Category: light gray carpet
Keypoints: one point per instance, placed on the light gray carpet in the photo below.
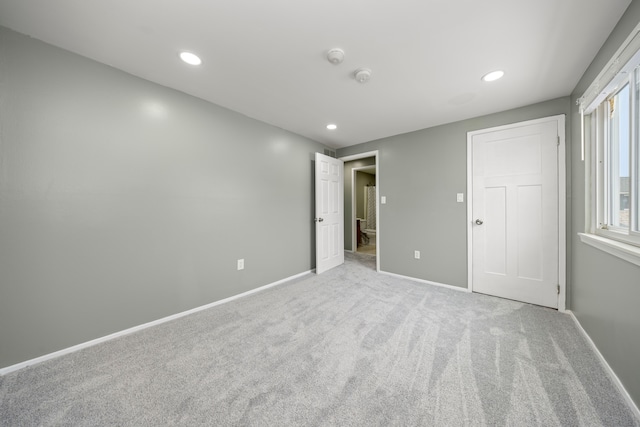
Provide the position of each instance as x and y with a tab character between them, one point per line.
348	348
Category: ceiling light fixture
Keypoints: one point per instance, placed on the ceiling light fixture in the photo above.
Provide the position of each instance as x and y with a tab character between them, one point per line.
332	126
335	56
190	58
493	76
362	75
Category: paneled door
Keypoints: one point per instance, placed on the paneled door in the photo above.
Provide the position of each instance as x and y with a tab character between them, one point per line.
329	217
514	223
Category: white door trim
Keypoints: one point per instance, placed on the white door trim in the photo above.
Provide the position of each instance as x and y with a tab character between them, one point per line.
373	154
562	212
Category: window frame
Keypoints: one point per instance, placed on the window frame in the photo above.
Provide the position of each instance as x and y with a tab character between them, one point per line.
603	223
611	200
617	70
623	242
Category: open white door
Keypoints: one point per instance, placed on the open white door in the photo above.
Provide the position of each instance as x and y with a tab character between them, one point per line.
515	210
329	213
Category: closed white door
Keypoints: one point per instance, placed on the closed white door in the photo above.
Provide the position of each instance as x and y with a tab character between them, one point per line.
329	213
515	213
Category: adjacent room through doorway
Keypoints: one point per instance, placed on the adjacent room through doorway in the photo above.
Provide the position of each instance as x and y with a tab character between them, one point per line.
364	194
361	205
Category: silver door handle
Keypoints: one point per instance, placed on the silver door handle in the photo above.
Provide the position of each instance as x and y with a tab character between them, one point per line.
479	222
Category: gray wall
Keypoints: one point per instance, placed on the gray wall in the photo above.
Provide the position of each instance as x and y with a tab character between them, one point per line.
122	201
420	174
348	170
605	290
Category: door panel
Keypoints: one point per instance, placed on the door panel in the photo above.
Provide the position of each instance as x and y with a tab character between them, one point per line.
529	230
329	212
515	198
495	231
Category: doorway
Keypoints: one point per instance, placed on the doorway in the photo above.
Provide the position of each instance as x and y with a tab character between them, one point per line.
366	240
516	212
364	214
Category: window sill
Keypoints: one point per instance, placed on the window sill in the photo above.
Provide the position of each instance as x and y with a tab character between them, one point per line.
621	250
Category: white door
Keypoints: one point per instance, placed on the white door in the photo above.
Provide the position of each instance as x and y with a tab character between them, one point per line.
329	213
515	241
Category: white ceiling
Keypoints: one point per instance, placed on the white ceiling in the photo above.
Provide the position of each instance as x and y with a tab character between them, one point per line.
266	59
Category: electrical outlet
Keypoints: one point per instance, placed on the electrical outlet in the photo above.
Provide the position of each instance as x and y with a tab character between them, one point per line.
416	254
241	264
383	200
460	197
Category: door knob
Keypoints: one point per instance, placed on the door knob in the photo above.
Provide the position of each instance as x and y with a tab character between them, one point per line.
319	219
479	221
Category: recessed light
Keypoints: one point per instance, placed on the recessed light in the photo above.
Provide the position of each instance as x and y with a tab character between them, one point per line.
332	126
190	58
492	76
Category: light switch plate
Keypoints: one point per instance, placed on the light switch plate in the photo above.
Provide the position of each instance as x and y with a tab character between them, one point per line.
460	198
383	199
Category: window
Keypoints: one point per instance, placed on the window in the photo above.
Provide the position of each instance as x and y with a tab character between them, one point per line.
615	124
610	110
617	148
613	165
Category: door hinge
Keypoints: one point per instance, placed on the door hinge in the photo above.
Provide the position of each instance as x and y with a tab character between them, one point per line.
558	289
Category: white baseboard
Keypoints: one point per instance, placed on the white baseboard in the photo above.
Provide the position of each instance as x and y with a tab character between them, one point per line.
607	368
428	282
17	366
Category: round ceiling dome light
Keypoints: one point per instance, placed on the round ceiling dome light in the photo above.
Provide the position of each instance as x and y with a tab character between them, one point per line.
362	75
190	58
493	76
335	56
332	126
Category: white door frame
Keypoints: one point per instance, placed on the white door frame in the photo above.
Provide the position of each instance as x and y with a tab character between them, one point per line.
345	159
562	211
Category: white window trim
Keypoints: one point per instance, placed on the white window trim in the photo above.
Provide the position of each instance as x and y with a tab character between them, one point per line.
618	249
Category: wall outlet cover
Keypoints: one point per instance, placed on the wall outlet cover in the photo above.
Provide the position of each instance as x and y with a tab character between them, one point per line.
416	254
460	197
241	264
